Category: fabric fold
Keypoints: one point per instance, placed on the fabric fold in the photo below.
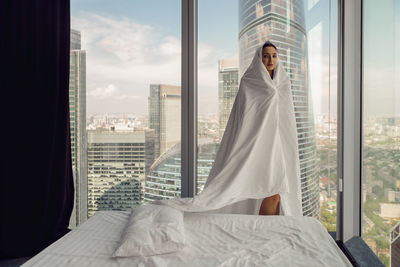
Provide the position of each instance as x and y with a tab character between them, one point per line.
258	155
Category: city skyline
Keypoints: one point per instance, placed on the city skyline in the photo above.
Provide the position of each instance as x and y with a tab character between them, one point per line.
129	51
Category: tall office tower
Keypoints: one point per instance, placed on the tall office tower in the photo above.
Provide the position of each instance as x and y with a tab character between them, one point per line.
77	107
116	169
164	178
282	22
75	43
228	86
149	149
165	116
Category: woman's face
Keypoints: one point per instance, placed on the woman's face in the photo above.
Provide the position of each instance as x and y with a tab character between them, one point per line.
269	57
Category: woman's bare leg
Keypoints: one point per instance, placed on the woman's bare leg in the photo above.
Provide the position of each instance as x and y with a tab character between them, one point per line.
270	205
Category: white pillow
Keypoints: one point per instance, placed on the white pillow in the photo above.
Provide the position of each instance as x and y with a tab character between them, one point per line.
152	230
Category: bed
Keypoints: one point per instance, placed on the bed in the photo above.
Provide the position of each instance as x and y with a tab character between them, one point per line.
212	240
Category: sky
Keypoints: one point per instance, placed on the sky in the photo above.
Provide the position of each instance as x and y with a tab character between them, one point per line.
131	44
381	57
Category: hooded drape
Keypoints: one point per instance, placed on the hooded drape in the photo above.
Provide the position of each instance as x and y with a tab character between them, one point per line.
258	155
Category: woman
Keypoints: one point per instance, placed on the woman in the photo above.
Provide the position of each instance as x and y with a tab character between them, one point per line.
256	169
270	205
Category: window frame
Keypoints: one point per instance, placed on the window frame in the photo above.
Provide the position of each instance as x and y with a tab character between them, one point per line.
349	92
350	106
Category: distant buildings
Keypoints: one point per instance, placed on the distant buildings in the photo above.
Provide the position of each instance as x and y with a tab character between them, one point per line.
77	107
391	195
228	86
388	210
116	169
165	116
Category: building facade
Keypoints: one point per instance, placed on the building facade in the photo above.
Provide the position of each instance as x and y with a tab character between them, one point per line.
77	107
164	178
165	116
228	86
283	23
116	169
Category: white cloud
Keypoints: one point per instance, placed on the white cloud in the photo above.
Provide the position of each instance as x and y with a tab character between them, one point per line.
124	57
102	93
110	92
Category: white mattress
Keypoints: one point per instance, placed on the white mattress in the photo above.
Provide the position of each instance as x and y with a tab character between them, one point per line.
213	240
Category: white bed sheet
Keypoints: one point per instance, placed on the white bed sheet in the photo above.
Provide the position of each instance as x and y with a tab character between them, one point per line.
213	240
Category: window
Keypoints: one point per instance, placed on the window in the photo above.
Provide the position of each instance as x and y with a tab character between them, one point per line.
306	36
381	129
126	97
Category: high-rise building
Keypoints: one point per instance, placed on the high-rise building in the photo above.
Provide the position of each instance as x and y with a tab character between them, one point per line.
116	169
164	116
75	43
282	22
77	107
164	178
228	86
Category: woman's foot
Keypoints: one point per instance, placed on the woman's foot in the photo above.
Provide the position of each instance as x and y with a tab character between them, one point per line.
270	205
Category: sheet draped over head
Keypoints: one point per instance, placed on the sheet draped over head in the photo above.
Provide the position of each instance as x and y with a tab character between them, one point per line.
258	155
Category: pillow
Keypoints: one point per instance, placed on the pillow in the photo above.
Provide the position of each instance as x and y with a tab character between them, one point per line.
152	230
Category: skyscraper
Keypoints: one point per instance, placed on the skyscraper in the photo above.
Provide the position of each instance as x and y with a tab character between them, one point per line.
282	22
116	169
164	178
228	85
77	107
164	116
75	43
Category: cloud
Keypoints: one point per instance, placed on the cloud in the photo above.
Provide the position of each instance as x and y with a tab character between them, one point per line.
110	92
102	93
124	57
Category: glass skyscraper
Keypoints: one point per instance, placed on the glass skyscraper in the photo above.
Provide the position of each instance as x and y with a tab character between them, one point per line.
164	116
164	178
282	22
77	106
228	87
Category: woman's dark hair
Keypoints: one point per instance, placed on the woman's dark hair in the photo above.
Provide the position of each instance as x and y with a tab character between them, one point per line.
268	43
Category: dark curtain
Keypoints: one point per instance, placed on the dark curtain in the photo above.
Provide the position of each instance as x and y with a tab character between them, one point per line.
37	190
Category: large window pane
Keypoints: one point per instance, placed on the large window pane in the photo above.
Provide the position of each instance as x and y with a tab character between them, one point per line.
125	102
381	129
305	33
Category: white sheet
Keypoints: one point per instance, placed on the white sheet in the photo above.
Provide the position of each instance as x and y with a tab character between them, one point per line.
213	240
258	156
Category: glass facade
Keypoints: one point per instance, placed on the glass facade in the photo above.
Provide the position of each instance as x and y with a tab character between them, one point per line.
164	108
164	179
228	86
116	169
77	106
381	129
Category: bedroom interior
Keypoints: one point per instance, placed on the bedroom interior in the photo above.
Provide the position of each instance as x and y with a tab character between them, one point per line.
115	113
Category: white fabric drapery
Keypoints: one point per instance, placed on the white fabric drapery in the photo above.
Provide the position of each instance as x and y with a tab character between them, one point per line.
258	155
